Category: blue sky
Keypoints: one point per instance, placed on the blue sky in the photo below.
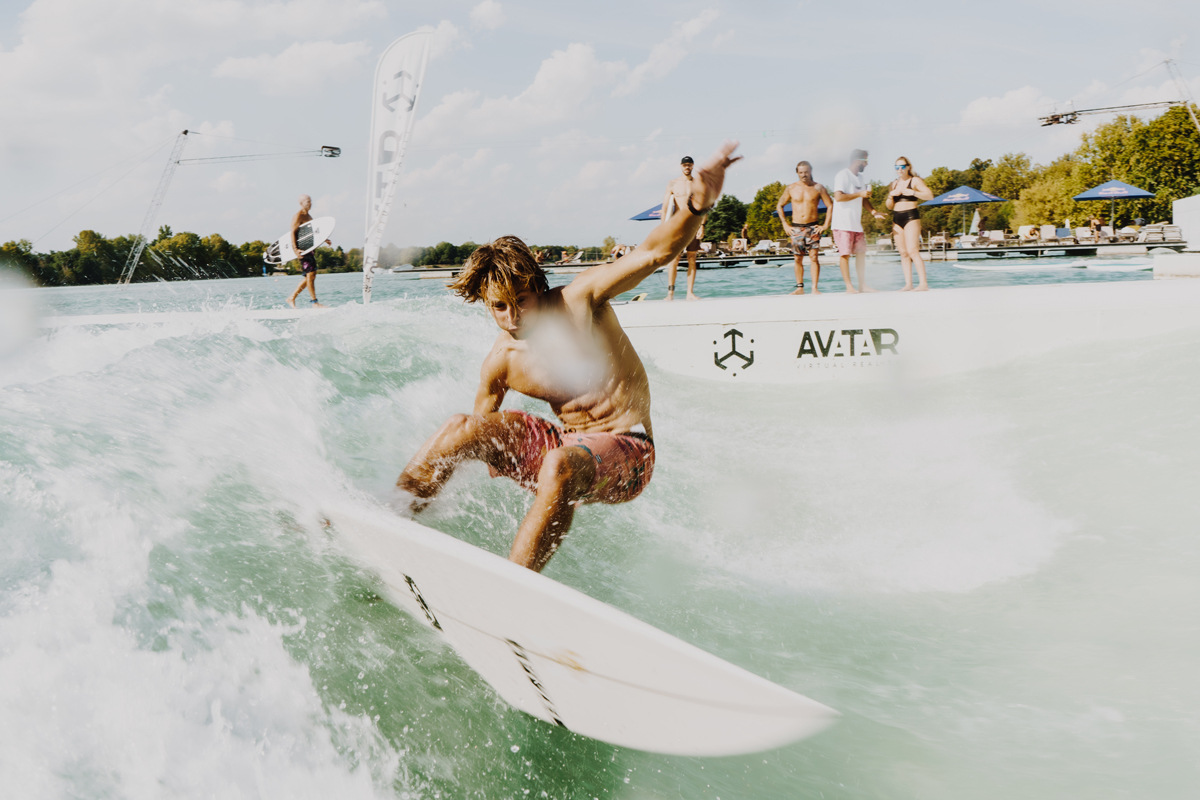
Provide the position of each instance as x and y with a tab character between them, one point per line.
554	121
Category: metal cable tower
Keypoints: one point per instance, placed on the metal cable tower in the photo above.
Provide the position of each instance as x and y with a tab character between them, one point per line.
1184	93
152	213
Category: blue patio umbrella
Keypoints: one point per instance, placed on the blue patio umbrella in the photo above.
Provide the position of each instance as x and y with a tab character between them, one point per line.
1112	191
964	196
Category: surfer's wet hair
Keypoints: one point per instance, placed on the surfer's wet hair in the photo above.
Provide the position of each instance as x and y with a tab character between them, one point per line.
504	267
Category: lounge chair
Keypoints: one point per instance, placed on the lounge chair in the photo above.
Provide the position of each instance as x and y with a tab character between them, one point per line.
996	237
764	246
1084	236
1151	234
1173	233
1049	233
884	243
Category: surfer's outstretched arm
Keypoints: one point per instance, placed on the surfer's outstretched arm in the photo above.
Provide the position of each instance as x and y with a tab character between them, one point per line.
605	281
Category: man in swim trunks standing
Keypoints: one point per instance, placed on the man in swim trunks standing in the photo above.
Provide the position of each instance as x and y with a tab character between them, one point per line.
851	192
804	230
564	346
674	200
308	262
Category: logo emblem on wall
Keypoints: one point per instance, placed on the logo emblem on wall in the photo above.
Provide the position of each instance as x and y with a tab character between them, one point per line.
746	360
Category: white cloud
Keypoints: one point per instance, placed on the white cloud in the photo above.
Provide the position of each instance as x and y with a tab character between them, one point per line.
487	14
297	69
666	55
445	38
231	182
126	69
563	84
1018	105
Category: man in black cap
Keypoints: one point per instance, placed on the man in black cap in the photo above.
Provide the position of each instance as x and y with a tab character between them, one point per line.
674	200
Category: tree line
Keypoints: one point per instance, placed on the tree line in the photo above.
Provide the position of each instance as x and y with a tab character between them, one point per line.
1161	155
170	257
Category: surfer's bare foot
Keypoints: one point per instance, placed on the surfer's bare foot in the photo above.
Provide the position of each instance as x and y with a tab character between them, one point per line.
814	291
907	288
692	296
315	304
800	291
291	301
851	290
922	288
868	289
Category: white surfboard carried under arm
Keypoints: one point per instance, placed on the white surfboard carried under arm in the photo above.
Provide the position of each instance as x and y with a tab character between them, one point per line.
570	659
309	236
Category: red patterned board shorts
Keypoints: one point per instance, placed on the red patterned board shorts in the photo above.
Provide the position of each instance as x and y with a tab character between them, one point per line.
624	461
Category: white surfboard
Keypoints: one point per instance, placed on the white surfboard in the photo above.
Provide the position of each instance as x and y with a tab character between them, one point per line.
570	659
309	236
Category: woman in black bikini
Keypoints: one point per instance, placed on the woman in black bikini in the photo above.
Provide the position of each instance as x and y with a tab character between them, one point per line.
905	192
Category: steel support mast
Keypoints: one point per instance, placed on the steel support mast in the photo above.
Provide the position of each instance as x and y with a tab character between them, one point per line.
1184	93
143	239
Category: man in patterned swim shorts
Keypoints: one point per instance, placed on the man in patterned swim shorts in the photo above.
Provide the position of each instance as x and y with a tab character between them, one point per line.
804	230
564	346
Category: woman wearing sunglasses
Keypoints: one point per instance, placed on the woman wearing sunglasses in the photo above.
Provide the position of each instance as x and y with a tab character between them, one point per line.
903	195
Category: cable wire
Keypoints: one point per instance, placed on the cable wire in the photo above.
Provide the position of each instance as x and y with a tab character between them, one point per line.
102	191
156	147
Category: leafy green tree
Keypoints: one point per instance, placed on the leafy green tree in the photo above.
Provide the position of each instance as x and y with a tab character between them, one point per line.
872	227
1047	200
252	256
607	247
464	251
761	219
19	255
182	256
1164	159
441	254
726	219
1008	176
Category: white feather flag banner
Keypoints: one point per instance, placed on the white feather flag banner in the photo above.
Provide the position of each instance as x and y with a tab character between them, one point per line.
398	79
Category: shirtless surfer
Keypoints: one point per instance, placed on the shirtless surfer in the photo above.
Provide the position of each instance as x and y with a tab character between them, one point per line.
804	230
308	262
674	199
564	346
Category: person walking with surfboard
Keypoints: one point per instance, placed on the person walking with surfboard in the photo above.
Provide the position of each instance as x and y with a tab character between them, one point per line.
564	346
308	262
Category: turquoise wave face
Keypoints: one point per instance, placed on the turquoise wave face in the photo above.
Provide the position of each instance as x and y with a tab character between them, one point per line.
990	576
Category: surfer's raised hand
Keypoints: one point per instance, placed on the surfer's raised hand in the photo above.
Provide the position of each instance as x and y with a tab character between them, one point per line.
710	176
